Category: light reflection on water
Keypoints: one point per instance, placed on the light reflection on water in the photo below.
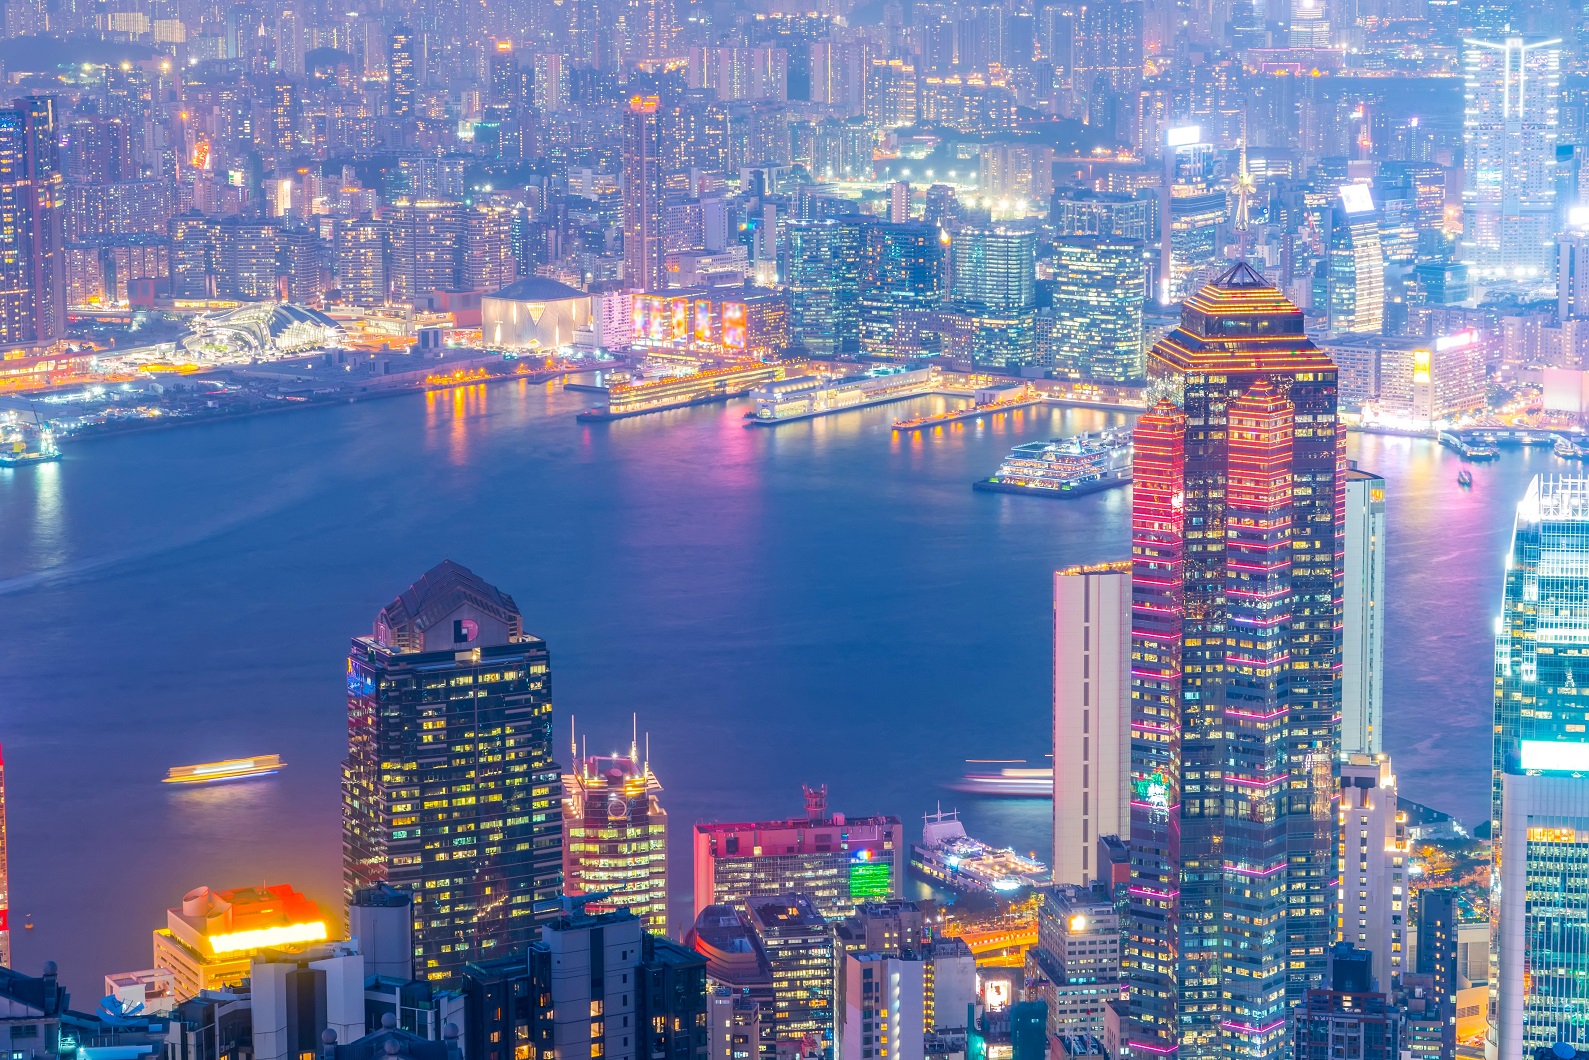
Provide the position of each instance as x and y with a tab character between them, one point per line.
825	601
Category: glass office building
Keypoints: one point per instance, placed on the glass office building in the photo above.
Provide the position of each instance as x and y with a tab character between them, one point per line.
449	789
1540	880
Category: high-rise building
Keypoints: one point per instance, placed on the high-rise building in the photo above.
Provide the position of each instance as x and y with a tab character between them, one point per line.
5	877
1356	266
644	267
1363	615
449	789
401	71
1439	922
359	251
880	1006
902	267
649	29
1077	958
488	262
32	201
1509	135
1351	1018
615	840
1098	297
1375	876
1235	609
803	957
899	202
993	282
1092	715
836	861
591	984
823	273
1190	214
424	239
1540	820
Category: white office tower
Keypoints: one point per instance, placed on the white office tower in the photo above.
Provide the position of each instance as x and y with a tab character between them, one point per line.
1371	905
883	1014
1363	617
1509	156
1092	715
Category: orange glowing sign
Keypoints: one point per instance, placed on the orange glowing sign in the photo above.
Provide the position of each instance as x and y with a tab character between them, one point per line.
201	155
734	315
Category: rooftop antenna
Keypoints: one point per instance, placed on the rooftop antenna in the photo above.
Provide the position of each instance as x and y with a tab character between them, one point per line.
1246	187
573	743
648	755
634	736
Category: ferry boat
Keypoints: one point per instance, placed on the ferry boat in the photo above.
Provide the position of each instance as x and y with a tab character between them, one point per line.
1065	467
230	769
951	857
1464	478
1008	782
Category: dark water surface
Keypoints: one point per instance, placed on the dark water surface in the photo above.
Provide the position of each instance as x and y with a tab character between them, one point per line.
817	602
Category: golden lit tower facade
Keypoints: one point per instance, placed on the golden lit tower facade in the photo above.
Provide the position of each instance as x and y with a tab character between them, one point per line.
615	835
1236	529
449	789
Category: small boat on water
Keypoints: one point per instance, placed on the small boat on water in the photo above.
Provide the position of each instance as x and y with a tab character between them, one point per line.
1009	782
1465	478
229	769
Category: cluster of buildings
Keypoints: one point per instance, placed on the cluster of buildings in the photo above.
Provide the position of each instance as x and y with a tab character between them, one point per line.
1017	188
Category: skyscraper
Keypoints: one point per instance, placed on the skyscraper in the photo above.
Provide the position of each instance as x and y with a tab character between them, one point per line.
1356	265
615	835
1236	604
993	281
1375	877
1509	155
1363	615
1190	214
824	276
643	266
1540	820
401	72
424	242
1098	297
449	789
902	267
1092	712
32	196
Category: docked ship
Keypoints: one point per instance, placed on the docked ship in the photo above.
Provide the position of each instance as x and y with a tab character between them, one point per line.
229	769
1065	467
21	446
946	854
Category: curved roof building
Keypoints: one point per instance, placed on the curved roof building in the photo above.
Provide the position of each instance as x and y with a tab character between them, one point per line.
533	313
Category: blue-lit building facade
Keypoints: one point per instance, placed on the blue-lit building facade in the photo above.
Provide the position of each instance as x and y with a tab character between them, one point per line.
902	269
1096	323
1540	879
823	272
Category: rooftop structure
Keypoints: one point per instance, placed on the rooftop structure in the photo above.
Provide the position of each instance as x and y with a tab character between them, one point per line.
209	939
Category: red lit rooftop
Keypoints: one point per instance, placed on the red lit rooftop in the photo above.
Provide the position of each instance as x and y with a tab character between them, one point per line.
1240	323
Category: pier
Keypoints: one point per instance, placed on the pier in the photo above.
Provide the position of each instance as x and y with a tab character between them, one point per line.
986	401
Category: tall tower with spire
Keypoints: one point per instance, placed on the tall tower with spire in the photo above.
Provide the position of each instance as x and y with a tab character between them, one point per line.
615	832
1236	610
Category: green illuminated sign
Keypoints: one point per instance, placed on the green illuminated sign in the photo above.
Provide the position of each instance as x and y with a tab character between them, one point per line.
870	879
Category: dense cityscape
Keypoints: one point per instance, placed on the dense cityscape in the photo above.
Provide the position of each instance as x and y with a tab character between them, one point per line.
1211	295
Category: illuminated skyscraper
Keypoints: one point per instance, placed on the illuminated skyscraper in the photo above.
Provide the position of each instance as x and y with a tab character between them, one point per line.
1357	265
1540	818
643	266
615	839
424	242
449	789
32	197
993	280
1375	891
902	267
824	277
1236	608
1509	155
401	72
1098	297
649	30
1191	214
